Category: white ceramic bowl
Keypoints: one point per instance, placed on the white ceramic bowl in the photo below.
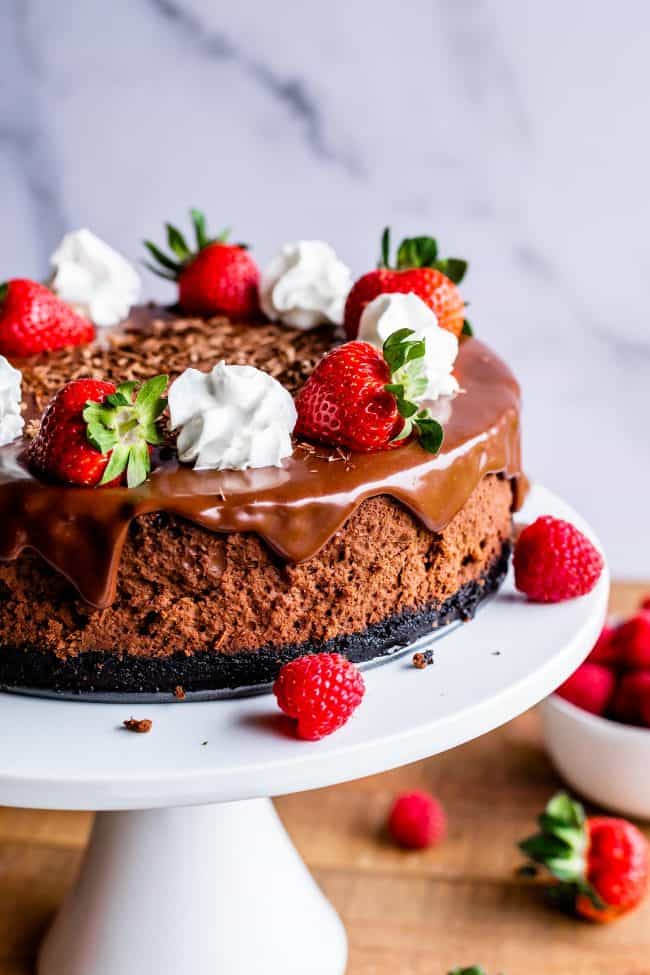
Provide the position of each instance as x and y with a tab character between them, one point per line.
603	760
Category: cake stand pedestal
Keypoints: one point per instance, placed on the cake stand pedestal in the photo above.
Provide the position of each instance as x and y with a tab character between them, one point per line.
189	867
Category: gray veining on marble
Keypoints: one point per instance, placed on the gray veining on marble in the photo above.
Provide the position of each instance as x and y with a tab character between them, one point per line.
515	131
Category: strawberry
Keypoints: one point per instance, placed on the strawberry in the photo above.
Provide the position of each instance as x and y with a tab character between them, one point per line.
362	399
591	688
553	561
631	703
417	821
93	433
631	642
420	271
601	863
33	319
216	278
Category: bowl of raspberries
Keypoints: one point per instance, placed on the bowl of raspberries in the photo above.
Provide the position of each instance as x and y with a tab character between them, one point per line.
597	724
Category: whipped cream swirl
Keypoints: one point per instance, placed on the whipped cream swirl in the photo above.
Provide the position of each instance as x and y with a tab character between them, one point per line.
231	418
11	421
94	278
305	285
389	312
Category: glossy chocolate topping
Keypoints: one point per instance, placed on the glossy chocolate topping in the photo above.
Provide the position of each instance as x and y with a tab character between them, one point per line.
296	508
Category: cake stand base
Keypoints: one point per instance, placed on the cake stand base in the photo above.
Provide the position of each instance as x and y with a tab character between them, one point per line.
219	889
203	889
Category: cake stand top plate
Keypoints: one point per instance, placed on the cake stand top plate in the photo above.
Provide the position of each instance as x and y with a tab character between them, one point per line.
75	755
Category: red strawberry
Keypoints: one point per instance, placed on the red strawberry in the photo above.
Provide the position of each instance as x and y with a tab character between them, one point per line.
417	821
631	703
419	270
554	561
33	319
604	652
591	688
601	863
215	278
321	691
358	398
631	642
93	433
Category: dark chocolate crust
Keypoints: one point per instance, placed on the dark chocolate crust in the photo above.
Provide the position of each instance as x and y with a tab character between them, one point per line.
99	672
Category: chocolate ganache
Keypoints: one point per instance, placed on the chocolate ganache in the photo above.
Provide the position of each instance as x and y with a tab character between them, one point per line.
297	508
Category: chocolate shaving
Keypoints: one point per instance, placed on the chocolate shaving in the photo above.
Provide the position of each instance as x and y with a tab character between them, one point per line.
151	342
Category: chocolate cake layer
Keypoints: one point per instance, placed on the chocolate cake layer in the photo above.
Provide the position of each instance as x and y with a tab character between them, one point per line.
97	672
205	609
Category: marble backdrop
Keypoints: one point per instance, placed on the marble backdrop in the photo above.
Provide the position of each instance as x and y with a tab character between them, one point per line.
517	131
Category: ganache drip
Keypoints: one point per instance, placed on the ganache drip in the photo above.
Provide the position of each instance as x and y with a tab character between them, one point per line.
296	509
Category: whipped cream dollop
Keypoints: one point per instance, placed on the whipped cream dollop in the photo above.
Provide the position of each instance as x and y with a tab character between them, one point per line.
94	278
231	418
11	421
305	285
389	312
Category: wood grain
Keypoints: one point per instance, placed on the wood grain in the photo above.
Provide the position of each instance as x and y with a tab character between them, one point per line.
406	913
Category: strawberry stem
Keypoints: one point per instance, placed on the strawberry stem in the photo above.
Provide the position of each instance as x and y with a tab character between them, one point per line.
561	845
124	425
170	267
405	359
421	251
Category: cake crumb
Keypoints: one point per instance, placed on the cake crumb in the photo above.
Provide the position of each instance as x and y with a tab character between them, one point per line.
179	693
140	725
32	429
423	660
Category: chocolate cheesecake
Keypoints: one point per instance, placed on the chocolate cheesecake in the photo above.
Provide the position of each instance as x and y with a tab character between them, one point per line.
213	579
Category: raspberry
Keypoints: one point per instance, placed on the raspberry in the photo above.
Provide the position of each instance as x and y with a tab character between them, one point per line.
631	642
417	820
554	561
604	651
631	703
591	688
321	691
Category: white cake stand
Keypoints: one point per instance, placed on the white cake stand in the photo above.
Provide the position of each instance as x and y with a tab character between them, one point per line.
181	873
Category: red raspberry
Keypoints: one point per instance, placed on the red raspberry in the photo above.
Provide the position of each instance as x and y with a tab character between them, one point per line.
631	642
631	703
604	651
417	820
321	691
591	688
554	561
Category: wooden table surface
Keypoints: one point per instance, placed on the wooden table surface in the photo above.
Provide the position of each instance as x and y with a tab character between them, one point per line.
405	913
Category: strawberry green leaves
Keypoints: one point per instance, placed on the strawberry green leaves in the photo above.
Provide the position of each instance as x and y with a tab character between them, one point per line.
125	424
562	845
170	266
422	252
467	328
405	358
